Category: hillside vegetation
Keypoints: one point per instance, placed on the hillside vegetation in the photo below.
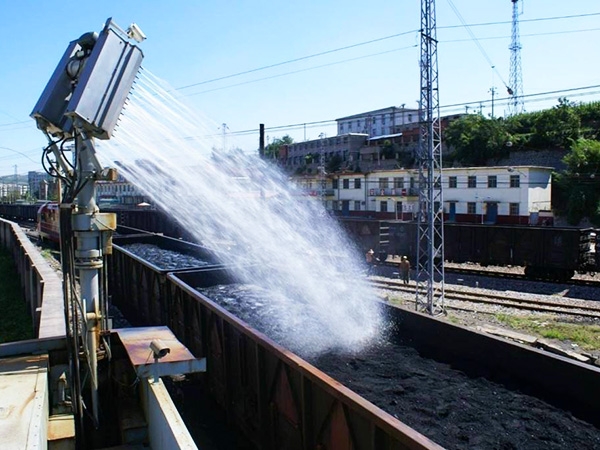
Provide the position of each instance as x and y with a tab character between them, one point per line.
575	128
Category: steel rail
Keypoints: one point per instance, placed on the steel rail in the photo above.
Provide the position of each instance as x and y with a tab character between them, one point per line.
500	300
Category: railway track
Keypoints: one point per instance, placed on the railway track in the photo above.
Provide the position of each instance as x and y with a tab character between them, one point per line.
509	275
574	308
518	276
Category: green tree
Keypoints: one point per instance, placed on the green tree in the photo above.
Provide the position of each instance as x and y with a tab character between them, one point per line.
579	185
557	127
589	114
334	164
272	150
388	150
475	139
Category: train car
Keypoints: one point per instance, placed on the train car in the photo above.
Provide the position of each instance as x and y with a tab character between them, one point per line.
48	222
551	253
279	400
24	212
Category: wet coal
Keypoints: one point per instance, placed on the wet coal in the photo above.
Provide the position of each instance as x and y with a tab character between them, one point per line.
165	259
453	409
258	307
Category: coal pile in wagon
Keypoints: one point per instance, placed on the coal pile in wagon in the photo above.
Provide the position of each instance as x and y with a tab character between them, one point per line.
165	259
451	408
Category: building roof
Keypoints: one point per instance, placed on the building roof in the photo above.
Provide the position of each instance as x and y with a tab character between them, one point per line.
515	169
378	111
385	136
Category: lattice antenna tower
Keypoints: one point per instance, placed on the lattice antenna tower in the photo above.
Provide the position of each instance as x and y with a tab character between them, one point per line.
430	248
515	89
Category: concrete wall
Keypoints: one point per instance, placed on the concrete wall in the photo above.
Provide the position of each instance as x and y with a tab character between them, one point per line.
166	429
42	287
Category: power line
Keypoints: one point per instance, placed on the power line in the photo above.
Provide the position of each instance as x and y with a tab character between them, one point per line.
302	70
372	55
506	22
561	91
549	33
450	106
481	49
297	59
14	123
314	55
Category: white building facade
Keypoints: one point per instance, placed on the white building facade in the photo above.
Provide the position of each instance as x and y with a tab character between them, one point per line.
508	195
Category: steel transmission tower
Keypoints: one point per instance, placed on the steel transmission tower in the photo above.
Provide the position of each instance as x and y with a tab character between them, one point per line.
515	89
430	248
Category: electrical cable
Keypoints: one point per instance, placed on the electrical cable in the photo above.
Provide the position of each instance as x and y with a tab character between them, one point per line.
481	49
297	59
550	33
245	72
301	70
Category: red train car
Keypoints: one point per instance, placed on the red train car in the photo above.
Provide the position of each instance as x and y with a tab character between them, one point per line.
48	223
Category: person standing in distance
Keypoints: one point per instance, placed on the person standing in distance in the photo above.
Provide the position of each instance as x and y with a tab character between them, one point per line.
404	269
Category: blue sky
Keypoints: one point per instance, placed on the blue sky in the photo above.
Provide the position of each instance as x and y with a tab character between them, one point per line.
193	42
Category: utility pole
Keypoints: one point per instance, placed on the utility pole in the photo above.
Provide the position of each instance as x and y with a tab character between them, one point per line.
515	90
430	248
16	190
224	129
493	92
261	140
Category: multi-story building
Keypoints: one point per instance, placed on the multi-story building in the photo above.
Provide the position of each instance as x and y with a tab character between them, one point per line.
117	193
376	140
307	157
509	195
39	183
380	122
11	192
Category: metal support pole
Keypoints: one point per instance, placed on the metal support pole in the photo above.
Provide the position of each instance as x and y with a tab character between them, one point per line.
88	259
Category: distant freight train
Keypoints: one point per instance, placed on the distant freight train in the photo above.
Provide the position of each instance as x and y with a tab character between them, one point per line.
551	253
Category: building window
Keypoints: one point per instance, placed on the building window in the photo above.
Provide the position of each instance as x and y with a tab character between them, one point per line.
334	205
492	181
356	205
471	208
452	182
335	184
383	183
399	207
399	183
412	182
472	182
357	183
383	206
346	183
514	209
515	181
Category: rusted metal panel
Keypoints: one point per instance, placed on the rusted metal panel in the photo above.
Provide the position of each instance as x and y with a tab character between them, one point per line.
178	360
294	405
275	397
